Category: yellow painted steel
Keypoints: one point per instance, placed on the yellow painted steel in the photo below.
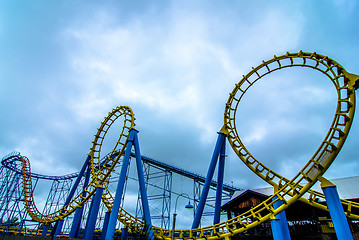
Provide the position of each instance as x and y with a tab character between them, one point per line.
288	191
100	171
299	186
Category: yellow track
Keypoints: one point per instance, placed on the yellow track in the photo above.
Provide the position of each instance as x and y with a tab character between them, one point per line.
100	172
288	191
291	190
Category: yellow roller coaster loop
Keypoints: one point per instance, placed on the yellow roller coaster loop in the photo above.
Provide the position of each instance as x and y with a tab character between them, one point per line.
100	171
288	191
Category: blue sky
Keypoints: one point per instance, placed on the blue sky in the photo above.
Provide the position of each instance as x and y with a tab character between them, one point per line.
65	64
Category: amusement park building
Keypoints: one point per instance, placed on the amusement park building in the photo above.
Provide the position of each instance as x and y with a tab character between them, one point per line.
305	221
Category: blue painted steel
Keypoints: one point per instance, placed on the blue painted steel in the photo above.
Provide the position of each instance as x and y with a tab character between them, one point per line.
76	222
78	179
217	209
90	226
141	181
88	222
105	225
156	194
280	229
60	223
58	228
11	200
337	214
124	233
8	160
207	184
185	173
20	229
120	185
54	229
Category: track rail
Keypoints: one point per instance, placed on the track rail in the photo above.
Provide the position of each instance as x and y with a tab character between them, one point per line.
100	170
9	161
188	174
291	190
288	191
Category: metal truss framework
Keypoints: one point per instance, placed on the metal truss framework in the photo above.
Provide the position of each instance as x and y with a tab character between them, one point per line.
158	176
287	191
159	188
207	215
13	215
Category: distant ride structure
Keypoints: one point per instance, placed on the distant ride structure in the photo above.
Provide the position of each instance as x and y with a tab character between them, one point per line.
91	183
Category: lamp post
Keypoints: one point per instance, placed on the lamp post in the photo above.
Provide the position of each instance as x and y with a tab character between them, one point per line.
189	205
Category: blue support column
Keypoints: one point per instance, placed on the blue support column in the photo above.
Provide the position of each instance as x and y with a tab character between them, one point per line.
144	198
20	228
279	225
120	186
105	225
53	231
124	233
336	210
87	220
45	228
197	218
90	226
217	209
58	226
76	222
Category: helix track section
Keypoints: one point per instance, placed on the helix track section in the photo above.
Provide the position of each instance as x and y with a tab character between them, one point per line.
13	162
287	191
8	162
100	171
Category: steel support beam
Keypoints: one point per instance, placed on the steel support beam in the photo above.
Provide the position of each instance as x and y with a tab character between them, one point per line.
279	225
197	218
105	225
91	221
144	198
336	210
120	185
124	233
217	209
58	226
45	228
76	222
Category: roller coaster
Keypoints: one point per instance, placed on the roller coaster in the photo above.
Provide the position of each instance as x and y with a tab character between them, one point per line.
91	201
159	181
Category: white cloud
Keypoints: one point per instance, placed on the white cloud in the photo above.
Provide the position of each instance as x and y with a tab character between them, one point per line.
42	161
174	65
257	133
174	68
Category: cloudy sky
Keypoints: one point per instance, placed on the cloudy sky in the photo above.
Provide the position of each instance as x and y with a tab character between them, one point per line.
65	64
